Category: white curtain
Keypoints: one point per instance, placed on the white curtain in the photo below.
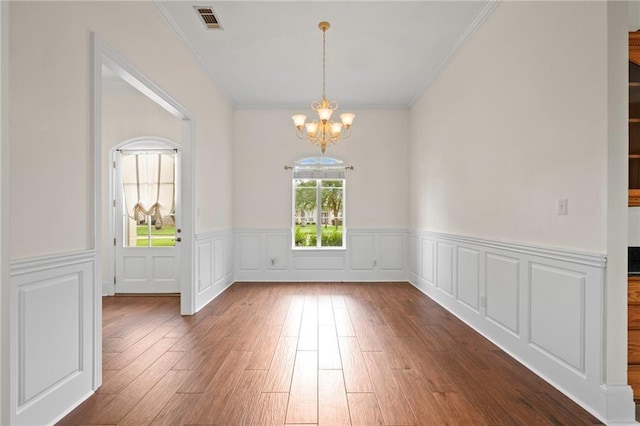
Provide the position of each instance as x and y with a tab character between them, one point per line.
149	186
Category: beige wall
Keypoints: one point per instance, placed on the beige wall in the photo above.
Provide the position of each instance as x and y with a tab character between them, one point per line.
49	93
634	15
517	121
130	115
376	191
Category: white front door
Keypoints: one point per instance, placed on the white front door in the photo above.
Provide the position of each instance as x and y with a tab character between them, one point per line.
147	221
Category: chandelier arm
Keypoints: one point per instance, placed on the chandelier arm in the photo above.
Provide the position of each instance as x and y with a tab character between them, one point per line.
334	139
300	134
346	134
314	139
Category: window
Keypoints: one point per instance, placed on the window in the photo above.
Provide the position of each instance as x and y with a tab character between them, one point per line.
318	203
148	184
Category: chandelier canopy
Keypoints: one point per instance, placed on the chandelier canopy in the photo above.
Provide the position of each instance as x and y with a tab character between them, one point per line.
323	131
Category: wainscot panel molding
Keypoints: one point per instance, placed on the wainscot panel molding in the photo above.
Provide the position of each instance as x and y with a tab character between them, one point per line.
502	291
544	306
51	335
370	255
214	265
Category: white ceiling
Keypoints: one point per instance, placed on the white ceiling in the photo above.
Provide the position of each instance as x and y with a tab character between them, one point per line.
379	54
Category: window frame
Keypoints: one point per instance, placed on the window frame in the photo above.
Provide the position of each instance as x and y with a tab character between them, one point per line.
146	149
321	164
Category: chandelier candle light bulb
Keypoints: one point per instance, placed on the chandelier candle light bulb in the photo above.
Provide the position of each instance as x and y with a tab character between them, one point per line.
324	132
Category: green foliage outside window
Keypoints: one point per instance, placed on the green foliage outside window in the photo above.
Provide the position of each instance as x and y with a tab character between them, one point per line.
333	239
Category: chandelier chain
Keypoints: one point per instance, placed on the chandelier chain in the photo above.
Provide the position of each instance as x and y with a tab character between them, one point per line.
324	62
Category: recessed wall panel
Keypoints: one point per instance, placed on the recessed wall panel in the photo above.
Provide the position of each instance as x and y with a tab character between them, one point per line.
362	252
278	247
413	255
50	333
469	277
503	288
249	247
558	313
391	252
218	260
204	266
319	263
228	255
428	260
445	267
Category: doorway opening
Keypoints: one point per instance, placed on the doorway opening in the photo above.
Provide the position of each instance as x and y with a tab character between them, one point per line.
107	60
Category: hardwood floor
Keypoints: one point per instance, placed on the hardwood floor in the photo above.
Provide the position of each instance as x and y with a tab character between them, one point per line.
327	353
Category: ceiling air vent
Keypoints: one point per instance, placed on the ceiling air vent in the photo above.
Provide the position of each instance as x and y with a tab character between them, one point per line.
208	18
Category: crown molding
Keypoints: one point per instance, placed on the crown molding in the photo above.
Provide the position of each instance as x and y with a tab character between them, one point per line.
460	43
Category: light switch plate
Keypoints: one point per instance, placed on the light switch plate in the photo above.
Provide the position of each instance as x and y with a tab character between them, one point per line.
563	206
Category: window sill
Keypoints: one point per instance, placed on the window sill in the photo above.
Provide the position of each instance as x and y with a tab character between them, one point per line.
317	249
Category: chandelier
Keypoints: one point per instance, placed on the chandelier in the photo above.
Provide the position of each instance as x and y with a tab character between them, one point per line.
324	132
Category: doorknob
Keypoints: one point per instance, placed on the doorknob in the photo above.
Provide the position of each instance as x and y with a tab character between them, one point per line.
178	239
179	230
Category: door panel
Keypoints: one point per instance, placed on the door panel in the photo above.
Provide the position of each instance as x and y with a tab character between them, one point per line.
147	270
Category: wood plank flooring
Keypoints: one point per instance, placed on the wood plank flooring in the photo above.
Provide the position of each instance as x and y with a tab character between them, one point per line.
326	353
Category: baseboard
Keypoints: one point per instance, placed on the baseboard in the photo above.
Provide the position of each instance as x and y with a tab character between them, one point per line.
618	405
72	407
108	289
225	285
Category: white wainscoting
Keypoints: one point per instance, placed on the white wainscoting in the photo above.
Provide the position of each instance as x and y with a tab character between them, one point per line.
371	255
543	306
214	265
52	335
